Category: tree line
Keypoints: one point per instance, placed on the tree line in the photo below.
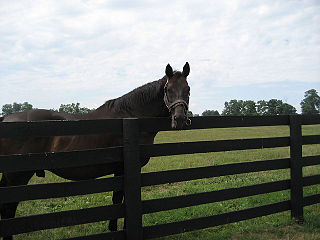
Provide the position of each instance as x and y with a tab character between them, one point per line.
20	107
309	105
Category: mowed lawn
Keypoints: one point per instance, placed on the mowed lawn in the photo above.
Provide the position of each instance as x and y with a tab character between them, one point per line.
277	226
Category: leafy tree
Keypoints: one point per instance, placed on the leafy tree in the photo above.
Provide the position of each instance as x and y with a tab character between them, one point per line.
311	102
249	108
73	108
262	108
277	107
15	107
287	109
7	109
274	106
210	113
233	108
239	108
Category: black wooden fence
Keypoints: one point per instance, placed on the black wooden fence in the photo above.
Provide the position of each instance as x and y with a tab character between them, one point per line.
133	207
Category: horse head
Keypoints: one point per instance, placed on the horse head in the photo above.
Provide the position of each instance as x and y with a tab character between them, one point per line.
176	96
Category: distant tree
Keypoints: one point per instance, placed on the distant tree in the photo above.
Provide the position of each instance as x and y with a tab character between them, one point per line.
287	109
274	106
249	108
277	107
15	107
189	113
26	106
210	113
240	108
73	108
262	108
311	102
196	115
7	109
233	108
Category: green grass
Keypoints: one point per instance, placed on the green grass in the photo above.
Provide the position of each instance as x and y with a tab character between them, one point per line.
277	226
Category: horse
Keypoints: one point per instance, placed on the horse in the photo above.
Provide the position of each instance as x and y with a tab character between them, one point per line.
166	97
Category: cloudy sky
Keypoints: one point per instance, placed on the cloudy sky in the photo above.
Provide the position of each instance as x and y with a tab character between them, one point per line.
54	52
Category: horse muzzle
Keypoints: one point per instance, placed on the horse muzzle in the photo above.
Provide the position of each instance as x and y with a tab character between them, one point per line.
179	117
177	122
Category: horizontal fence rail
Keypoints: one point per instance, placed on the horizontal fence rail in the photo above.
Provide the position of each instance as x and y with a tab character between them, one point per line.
155	124
312	139
59	128
55	160
166	149
311	180
310	160
310	119
171	176
60	219
83	127
165	204
312	199
162	124
166	229
127	157
56	190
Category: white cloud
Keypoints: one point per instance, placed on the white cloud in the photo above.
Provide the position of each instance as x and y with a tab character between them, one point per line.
54	52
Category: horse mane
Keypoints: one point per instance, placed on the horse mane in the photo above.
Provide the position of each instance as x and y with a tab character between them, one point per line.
142	95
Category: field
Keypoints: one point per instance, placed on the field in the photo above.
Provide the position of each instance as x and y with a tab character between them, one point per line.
278	226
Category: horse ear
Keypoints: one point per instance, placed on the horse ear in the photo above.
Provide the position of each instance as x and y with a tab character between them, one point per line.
186	69
169	71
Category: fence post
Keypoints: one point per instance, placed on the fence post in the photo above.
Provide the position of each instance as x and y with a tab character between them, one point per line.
296	168
132	179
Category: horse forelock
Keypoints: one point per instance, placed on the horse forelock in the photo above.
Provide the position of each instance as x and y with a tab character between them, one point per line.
177	73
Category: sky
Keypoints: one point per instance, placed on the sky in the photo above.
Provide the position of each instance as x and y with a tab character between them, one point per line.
59	52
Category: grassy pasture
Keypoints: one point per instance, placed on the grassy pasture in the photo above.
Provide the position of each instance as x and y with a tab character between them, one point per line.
278	226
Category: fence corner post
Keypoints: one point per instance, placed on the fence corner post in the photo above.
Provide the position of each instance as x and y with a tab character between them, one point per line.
296	188
132	179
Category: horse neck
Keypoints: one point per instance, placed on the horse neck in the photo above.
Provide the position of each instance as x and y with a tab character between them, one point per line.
134	105
152	107
155	108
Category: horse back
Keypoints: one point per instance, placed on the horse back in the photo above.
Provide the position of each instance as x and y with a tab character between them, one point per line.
23	145
36	115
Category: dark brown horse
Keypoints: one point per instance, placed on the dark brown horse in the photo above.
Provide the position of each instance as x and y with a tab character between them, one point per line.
166	97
